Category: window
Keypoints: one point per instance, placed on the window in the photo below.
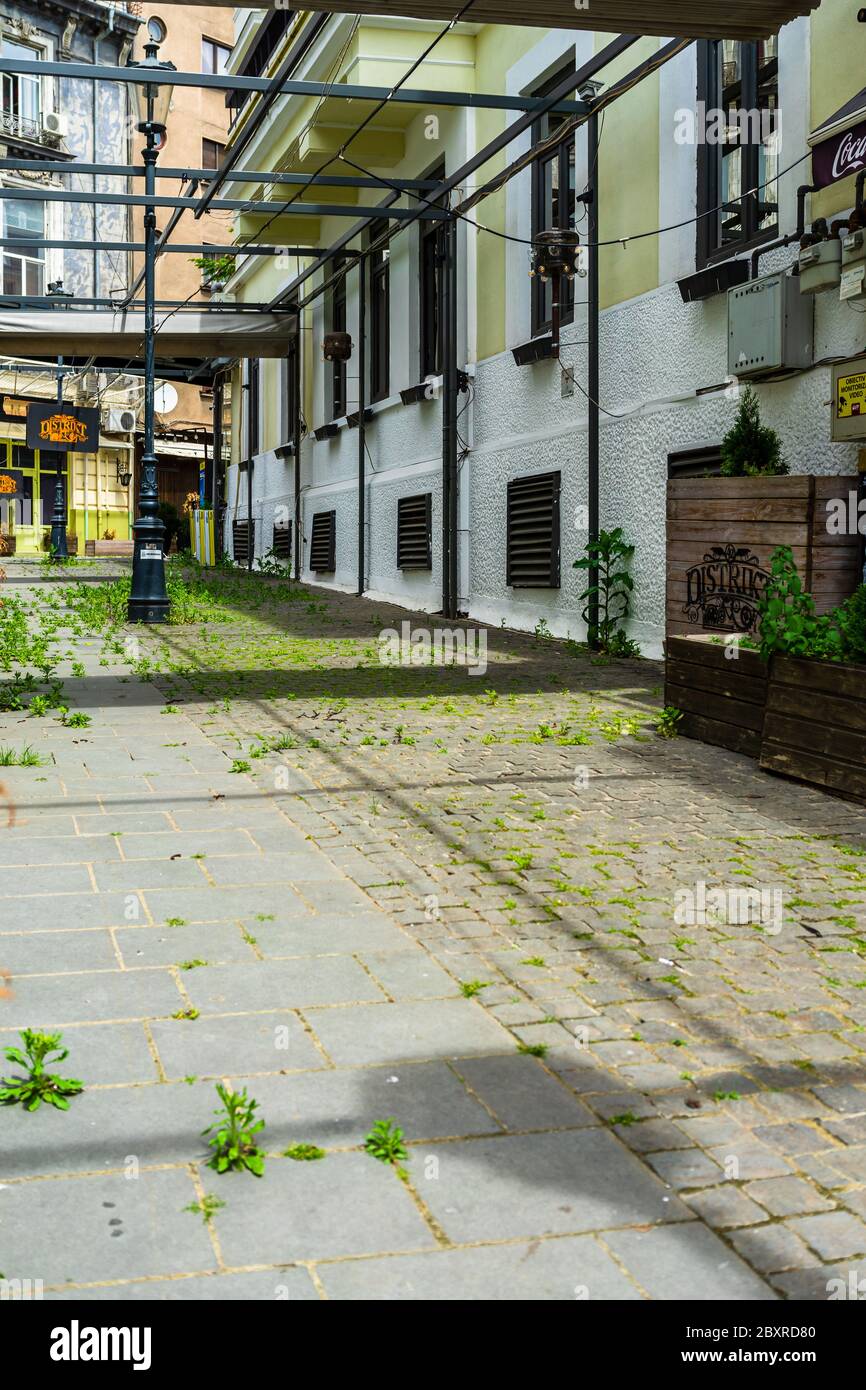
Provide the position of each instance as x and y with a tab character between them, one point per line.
21	95
532	539
214	56
738	84
252	412
338	325
432	288
211	154
293	391
156	30
414	532
24	268
380	315
553	205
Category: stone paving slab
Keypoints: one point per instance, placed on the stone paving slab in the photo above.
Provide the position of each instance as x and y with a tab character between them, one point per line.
687	1117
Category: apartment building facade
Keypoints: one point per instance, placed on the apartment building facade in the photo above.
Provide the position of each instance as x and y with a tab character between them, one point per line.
671	202
57	120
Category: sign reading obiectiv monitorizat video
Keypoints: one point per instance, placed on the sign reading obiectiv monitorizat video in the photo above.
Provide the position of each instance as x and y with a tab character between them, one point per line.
62	427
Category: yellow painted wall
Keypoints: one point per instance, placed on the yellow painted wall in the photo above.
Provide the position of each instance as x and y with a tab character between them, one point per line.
838	72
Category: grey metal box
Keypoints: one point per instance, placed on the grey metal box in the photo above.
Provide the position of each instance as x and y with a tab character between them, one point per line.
769	326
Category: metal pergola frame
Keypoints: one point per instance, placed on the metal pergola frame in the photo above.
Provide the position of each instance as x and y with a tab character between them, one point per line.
560	99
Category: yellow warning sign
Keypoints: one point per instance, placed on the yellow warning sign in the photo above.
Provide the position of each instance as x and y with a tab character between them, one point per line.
851	395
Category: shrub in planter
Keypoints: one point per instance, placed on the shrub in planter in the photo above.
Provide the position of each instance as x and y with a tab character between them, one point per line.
750	449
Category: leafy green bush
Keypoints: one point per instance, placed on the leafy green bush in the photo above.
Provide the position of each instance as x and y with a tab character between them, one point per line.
788	622
750	449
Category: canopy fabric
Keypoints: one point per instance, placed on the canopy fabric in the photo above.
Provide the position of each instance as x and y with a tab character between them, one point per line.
839	143
186	335
730	19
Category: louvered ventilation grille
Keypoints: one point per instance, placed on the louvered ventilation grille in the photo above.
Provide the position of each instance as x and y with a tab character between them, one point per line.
322	544
282	541
533	532
413	533
241	541
696	463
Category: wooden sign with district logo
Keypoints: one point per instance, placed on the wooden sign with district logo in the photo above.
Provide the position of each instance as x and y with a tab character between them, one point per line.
62	427
721	534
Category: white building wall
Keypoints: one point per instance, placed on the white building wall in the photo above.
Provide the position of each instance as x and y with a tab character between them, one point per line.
656	355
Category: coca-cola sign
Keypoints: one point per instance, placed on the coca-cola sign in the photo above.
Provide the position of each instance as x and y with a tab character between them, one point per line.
840	157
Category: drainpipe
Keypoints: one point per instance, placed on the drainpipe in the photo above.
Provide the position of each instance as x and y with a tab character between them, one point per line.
296	426
362	403
593	330
449	419
760	251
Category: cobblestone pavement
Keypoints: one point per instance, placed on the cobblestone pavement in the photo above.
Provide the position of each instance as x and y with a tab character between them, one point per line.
485	906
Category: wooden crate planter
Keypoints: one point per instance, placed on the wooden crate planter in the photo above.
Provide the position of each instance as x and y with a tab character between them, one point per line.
722	698
721	534
117	548
815	724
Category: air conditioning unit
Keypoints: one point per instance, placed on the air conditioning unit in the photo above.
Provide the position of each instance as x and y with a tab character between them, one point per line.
54	123
119	421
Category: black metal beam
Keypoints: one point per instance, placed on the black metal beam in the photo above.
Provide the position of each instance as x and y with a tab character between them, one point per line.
242	205
202	249
412	96
132	171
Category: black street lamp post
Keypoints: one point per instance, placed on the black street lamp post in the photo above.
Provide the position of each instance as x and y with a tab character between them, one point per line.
59	548
148	601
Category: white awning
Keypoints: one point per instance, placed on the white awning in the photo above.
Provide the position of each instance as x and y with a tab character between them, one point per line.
185	336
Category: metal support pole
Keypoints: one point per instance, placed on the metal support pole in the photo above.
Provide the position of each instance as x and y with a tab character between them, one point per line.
297	361
148	601
362	429
593	373
449	419
251	533
59	549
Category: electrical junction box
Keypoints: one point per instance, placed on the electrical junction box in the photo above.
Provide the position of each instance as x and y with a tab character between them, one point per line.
820	266
769	327
853	282
849	401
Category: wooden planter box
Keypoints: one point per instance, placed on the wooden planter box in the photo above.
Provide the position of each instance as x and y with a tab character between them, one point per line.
96	548
721	534
722	697
815	724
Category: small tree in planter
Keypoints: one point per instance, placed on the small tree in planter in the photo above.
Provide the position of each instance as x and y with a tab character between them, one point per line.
750	449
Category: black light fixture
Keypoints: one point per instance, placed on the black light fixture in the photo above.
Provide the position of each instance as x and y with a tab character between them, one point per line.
124	477
556	256
148	601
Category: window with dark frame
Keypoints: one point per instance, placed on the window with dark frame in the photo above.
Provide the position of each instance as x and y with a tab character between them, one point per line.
532	549
252	411
380	314
738	84
211	154
214	55
339	404
293	388
553	203
432	286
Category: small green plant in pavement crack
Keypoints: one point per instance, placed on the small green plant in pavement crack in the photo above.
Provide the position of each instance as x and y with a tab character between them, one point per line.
39	1085
233	1134
304	1153
207	1207
385	1142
